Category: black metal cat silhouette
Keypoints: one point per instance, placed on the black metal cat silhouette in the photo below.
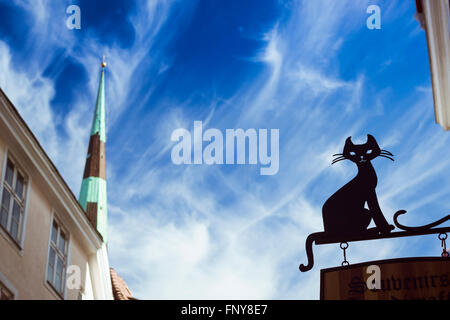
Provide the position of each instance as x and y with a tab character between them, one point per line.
345	215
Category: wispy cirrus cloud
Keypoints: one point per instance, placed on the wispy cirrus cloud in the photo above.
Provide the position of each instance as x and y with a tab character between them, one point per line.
224	231
33	89
267	220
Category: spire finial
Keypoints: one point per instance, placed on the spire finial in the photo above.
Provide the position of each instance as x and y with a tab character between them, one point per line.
103	62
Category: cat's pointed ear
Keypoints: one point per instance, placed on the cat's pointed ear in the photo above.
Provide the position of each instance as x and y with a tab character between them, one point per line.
348	141
348	145
371	140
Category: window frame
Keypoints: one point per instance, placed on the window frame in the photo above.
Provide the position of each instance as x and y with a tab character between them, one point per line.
58	254
8	286
23	203
4	291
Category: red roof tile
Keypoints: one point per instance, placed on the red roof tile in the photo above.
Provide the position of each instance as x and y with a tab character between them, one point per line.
119	287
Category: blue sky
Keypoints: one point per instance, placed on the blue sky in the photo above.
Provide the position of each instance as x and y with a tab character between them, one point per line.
311	69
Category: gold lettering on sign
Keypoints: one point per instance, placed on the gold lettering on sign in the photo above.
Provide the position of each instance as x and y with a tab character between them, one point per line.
400	279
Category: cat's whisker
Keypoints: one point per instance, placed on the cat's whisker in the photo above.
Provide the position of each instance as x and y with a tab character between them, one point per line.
386	152
338	154
340	158
385	156
337	160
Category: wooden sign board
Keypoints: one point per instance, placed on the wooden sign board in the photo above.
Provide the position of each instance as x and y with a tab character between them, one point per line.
400	279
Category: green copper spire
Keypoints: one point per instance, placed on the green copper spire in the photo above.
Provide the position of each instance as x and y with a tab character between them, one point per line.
98	124
93	197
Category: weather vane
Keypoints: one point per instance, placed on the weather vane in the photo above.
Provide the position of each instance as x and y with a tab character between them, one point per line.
103	62
345	217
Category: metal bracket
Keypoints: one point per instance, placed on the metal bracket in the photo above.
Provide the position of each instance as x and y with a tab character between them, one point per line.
371	234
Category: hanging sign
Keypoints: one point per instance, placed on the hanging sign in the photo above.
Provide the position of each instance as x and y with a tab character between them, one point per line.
345	217
396	279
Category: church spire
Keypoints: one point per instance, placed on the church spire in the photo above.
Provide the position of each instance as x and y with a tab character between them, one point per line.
93	187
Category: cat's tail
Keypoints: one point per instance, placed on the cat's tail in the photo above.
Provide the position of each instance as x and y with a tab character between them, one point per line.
309	251
421	228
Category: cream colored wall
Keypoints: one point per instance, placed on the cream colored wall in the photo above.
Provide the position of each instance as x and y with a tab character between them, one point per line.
77	258
25	269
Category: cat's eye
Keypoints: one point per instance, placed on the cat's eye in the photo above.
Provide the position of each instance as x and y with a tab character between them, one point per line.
352	153
369	151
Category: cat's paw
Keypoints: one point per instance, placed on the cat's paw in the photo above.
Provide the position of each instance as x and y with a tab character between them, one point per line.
387	229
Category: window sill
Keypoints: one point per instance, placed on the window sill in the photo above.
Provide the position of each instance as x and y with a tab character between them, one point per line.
13	242
53	290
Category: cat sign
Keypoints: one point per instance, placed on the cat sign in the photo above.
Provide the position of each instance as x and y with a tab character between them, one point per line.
426	278
348	212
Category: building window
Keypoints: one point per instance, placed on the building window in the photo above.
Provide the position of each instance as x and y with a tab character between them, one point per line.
12	206
5	294
57	258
